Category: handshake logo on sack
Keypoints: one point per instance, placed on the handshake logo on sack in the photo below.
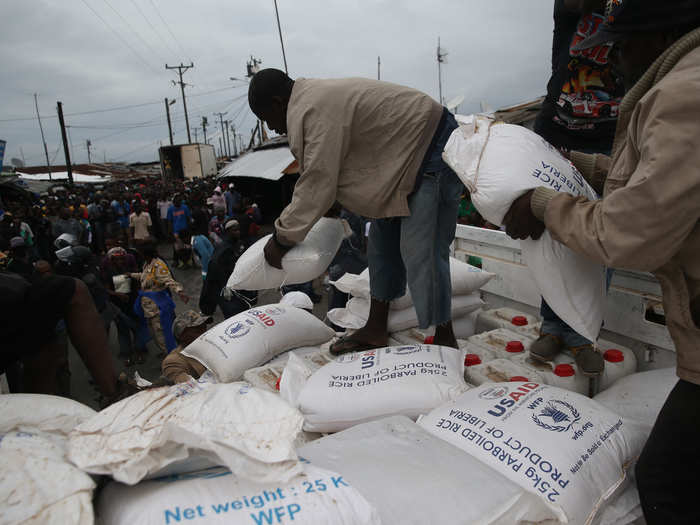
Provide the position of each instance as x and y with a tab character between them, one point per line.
557	416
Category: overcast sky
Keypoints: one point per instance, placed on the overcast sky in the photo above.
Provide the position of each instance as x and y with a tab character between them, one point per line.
102	54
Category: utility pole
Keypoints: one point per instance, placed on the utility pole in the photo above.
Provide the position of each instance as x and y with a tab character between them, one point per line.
70	141
167	114
43	140
227	139
66	152
379	66
235	145
279	28
221	148
205	123
441	59
88	144
181	69
195	134
221	120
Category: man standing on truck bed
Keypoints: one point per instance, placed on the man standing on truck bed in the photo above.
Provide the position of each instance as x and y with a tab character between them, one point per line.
376	148
578	114
648	220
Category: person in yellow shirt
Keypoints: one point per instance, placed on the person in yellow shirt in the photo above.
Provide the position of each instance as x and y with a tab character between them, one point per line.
154	304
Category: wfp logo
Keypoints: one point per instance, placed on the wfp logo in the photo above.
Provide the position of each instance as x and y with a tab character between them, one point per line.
237	330
557	416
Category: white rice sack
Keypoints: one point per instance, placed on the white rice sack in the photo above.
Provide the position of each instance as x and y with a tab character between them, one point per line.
640	397
561	446
404	319
248	430
41	412
344	318
298	299
304	262
215	496
38	485
414	478
362	386
464	277
464	326
500	162
255	336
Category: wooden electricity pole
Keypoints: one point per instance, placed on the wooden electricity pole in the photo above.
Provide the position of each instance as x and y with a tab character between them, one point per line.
167	114
181	70
66	150
43	140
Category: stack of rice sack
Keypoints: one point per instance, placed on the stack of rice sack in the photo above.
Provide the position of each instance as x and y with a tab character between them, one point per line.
38	483
217	452
466	301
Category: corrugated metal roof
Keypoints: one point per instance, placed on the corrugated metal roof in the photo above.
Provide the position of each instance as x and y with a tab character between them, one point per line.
269	164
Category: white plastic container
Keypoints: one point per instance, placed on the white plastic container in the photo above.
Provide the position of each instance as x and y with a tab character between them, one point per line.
620	361
563	374
499	371
476	355
504	343
506	318
485	354
268	376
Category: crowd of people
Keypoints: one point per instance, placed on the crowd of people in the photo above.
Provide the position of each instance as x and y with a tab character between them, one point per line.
621	104
82	260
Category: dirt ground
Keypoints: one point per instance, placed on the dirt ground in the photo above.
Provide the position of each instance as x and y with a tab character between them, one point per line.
191	278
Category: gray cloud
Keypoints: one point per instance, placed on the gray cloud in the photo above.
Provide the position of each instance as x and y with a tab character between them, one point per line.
499	52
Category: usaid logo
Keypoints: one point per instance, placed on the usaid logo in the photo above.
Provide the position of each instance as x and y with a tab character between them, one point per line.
274	310
262	316
556	416
237	329
494	392
405	350
510	398
348	358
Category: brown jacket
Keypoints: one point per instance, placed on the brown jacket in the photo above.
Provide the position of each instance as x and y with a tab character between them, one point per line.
358	141
648	217
179	368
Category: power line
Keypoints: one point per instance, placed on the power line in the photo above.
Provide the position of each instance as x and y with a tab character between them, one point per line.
170	30
116	33
153	28
181	70
116	108
128	25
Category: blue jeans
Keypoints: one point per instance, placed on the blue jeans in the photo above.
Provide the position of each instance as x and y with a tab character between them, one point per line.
417	249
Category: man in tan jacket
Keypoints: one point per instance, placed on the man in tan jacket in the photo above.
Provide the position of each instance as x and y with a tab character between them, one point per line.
375	148
648	220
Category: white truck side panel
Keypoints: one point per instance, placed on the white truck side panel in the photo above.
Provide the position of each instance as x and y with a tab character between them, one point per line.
191	165
630	295
208	160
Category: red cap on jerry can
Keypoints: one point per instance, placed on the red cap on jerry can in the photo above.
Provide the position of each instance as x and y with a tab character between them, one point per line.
614	355
514	347
564	370
519	320
471	360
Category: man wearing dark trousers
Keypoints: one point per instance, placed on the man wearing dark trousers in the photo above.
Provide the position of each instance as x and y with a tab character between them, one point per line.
648	220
